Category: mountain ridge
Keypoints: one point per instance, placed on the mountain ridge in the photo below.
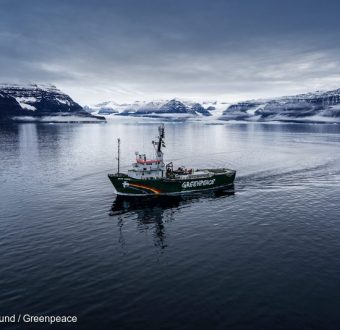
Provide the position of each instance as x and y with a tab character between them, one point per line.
319	106
150	108
33	100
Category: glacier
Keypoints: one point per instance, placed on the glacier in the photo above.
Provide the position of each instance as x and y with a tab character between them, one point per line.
317	107
152	109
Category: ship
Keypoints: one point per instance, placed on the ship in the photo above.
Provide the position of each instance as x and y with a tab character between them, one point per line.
154	177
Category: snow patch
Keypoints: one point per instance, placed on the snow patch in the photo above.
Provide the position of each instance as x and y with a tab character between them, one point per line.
27	106
26	99
22	101
253	110
63	101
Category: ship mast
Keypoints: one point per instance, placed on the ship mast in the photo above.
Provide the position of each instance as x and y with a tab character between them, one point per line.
160	139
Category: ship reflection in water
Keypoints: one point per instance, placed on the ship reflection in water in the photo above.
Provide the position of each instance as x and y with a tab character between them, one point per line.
156	211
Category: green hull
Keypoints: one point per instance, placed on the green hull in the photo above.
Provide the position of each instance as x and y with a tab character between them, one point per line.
125	185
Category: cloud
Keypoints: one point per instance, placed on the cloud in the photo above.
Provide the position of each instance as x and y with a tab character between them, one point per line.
124	50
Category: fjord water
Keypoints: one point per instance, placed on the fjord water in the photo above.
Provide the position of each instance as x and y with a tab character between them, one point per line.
263	256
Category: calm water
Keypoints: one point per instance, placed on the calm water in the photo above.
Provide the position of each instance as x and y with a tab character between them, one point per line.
264	256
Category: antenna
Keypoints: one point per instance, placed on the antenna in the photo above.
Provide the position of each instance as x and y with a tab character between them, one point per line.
118	158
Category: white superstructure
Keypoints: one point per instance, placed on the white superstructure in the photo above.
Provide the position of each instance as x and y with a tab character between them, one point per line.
145	168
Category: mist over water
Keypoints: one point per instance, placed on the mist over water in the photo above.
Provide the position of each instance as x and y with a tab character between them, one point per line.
263	255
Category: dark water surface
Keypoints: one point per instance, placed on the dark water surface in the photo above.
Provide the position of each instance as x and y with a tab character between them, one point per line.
266	256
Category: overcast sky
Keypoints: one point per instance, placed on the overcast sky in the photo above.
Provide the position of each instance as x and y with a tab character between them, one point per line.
97	50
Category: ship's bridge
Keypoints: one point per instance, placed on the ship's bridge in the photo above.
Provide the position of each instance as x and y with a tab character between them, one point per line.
145	168
148	161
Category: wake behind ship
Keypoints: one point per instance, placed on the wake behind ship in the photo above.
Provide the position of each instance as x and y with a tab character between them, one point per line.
153	177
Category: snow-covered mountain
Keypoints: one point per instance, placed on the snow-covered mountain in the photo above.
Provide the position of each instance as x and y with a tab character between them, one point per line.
150	109
37	101
310	107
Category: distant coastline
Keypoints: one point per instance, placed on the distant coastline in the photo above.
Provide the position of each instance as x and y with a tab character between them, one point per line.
46	103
